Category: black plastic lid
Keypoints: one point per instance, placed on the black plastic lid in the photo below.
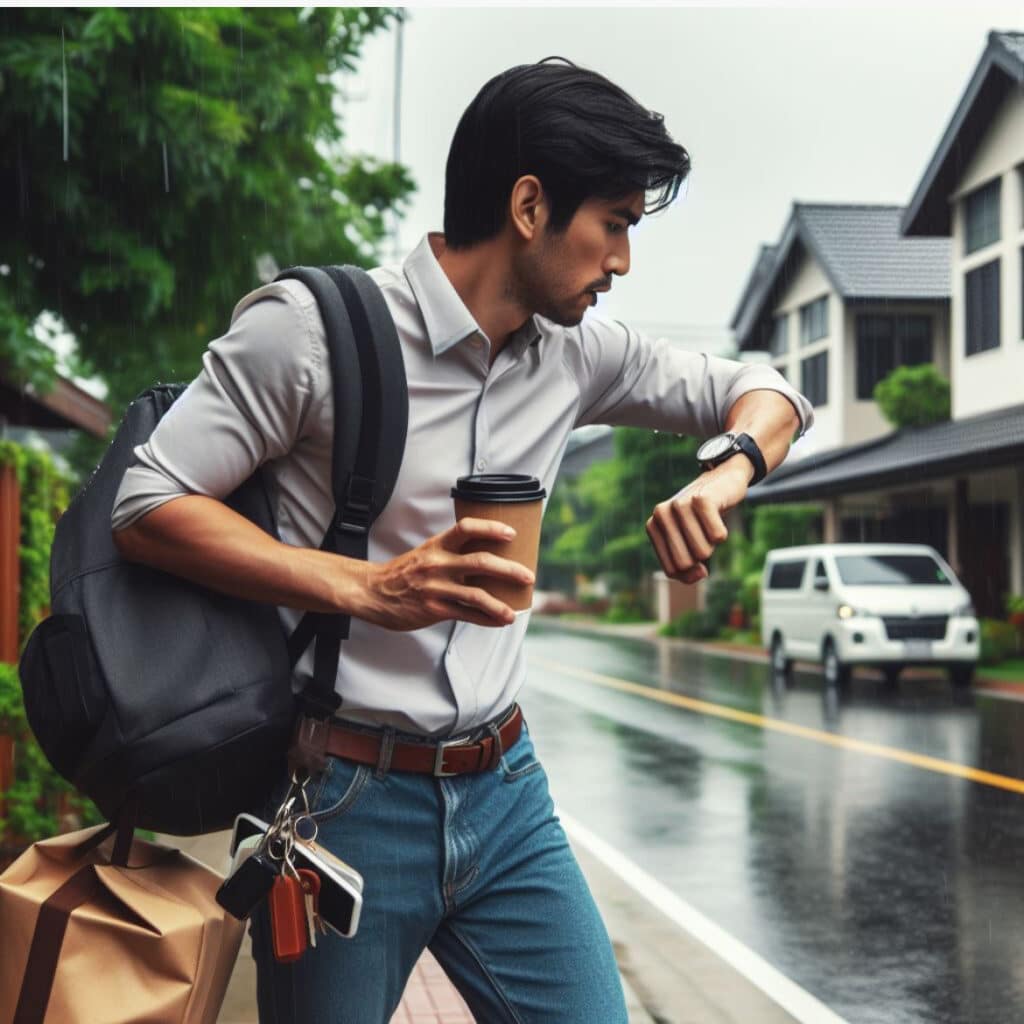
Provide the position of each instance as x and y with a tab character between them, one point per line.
502	488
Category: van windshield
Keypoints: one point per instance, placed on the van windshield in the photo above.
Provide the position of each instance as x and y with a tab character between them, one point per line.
891	570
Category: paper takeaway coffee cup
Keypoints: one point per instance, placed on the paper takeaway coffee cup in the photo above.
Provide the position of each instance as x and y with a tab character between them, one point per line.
517	501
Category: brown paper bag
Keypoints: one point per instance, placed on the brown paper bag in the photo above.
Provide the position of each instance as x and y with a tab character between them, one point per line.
142	942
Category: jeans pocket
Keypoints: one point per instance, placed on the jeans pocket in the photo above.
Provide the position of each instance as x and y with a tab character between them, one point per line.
341	786
520	759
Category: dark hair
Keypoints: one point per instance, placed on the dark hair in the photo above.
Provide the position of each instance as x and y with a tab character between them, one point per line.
579	133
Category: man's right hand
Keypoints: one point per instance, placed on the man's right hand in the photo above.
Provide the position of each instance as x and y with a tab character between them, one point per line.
426	585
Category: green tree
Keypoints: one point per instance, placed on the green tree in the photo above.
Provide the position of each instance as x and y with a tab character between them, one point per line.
600	518
914	396
149	157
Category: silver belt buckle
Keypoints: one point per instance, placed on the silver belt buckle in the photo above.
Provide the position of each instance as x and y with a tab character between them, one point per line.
439	769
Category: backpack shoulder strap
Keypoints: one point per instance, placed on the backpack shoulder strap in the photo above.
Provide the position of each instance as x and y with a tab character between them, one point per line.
369	441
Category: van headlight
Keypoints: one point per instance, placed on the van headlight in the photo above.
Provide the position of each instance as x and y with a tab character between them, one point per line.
846	611
965	610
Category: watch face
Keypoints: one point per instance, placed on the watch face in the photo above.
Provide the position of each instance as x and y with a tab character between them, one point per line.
714	447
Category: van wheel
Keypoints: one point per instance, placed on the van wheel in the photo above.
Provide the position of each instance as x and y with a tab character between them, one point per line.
837	673
961	676
782	667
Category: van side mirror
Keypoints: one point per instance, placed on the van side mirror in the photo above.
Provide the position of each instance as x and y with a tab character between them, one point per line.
821	583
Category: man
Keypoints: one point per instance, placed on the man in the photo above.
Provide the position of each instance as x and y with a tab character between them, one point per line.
549	167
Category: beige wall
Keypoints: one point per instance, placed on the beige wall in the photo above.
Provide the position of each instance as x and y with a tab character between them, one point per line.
844	420
863	420
992	379
810	283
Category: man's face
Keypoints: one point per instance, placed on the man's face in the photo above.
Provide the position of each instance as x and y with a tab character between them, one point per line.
559	275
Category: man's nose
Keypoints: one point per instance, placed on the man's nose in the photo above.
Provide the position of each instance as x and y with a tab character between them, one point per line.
617	261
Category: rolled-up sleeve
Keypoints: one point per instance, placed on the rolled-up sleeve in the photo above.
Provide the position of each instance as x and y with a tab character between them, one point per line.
629	379
249	404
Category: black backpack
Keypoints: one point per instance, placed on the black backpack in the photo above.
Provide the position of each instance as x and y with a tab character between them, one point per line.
149	692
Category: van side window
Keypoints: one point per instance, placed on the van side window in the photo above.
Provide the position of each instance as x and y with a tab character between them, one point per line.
820	572
786	575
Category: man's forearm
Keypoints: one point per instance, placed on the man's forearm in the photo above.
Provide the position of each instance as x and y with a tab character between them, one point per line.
770	419
203	540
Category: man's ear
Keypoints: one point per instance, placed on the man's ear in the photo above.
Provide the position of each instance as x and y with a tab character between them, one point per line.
528	208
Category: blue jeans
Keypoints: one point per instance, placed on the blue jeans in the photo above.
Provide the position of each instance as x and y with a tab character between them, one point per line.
474	867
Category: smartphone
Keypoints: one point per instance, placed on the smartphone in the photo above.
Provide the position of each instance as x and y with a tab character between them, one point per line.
341	886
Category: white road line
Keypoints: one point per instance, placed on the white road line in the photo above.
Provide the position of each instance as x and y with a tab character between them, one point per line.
797	1002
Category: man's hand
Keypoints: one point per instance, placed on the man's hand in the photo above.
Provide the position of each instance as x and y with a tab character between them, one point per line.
686	529
425	585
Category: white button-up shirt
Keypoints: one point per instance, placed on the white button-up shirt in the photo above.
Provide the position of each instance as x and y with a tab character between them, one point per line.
264	395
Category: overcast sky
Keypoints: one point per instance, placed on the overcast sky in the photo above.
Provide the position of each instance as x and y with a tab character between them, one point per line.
773	105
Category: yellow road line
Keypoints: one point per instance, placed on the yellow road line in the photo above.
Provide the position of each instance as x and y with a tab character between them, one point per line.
703	707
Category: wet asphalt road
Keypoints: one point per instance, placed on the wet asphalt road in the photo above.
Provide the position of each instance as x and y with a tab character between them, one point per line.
892	893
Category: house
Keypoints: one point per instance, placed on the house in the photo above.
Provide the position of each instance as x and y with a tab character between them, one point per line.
838	302
957	485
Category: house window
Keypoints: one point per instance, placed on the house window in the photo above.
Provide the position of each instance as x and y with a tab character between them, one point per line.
885	342
981	329
814	379
780	336
814	321
981	217
783	370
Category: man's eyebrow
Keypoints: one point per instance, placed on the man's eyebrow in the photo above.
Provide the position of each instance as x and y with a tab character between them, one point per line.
627	214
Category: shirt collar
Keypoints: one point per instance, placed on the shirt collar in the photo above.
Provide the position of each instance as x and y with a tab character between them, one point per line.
445	315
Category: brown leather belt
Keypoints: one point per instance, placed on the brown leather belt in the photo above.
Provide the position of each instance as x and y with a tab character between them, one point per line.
442	759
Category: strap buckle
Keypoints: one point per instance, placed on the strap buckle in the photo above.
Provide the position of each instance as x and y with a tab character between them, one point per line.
355	513
440	771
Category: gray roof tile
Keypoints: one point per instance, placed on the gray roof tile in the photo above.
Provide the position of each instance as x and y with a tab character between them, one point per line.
1012	41
864	254
861	251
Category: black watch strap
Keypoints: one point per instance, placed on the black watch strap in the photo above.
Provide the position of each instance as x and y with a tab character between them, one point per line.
746	444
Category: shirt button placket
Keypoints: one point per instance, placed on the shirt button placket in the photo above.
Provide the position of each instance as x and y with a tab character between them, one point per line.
482	436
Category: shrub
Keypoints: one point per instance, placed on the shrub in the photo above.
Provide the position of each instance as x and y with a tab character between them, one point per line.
913	396
722	593
998	641
750	595
627	606
691	626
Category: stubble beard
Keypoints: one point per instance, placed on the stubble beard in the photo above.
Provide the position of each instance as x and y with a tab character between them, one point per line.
531	287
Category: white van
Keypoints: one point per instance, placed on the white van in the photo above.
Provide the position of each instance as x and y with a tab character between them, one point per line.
882	605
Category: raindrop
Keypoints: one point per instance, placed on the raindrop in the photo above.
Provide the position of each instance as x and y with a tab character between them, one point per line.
64	91
167	179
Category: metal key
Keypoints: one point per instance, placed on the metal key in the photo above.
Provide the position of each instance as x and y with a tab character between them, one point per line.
311	887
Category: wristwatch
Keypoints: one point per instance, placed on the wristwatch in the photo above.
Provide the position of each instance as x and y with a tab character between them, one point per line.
715	450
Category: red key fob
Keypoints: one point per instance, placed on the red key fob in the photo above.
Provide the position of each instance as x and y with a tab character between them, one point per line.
288	919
